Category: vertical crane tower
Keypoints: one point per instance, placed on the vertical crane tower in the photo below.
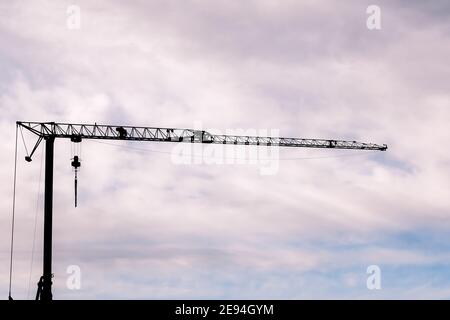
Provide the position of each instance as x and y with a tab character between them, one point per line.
49	131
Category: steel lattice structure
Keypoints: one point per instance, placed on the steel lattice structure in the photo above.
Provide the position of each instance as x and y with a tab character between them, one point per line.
49	131
110	132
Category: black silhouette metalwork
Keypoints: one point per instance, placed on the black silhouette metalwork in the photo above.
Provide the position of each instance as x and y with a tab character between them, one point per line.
49	131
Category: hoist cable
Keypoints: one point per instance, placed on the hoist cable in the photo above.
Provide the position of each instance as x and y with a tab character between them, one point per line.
23	140
13	216
35	223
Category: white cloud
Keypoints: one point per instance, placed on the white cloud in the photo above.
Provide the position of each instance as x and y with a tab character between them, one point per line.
310	70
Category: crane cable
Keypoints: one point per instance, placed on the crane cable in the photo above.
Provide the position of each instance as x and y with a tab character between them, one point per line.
13	216
35	224
23	140
353	154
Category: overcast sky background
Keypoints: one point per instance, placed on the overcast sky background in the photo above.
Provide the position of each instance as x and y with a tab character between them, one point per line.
147	227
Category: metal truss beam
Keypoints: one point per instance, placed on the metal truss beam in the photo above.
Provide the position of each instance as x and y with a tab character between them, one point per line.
111	132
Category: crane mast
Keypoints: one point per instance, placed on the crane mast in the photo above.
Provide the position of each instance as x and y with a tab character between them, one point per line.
49	131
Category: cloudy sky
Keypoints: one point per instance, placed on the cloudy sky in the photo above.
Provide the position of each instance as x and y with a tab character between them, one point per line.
149	227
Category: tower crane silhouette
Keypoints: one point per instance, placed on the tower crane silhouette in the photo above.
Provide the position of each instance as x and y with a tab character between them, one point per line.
49	131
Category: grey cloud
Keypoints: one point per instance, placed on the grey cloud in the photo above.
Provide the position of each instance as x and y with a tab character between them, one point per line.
309	69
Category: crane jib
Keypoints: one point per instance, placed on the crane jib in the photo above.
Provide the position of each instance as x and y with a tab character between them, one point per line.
77	132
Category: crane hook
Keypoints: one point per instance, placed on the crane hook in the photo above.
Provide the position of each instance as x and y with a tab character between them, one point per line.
76	164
